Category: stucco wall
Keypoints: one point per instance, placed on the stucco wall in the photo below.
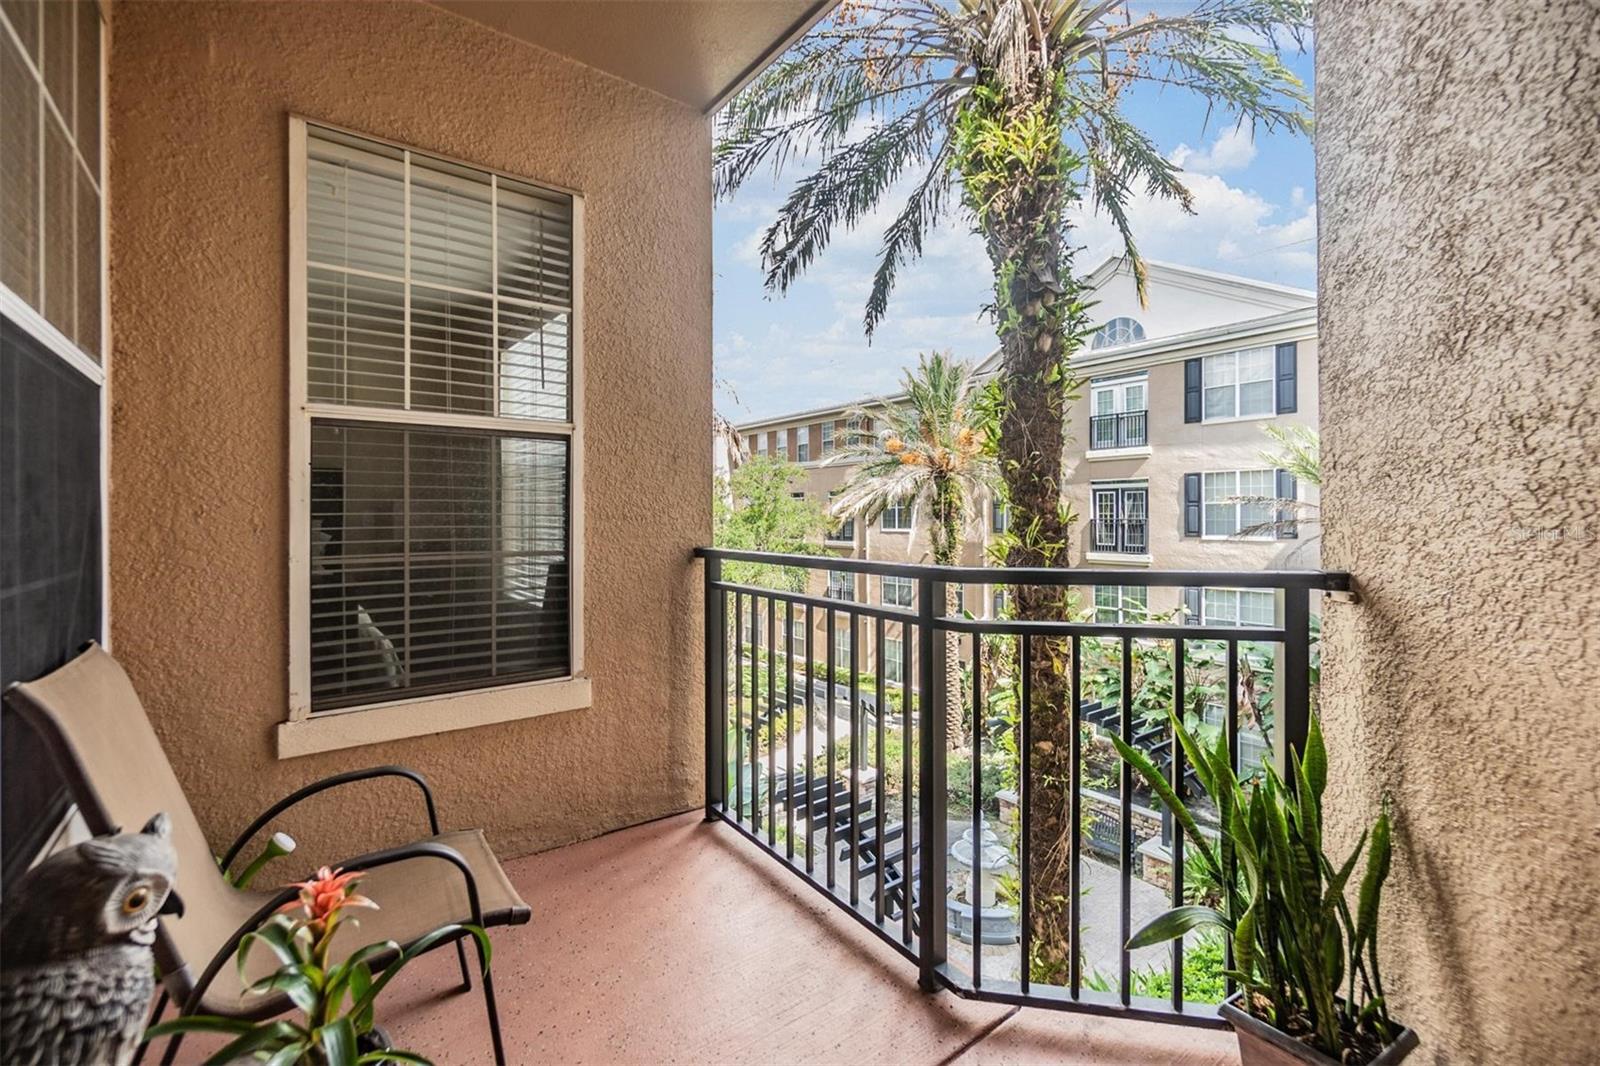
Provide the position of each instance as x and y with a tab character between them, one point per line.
1458	173
200	96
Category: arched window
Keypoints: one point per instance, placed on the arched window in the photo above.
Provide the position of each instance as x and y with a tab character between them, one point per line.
1117	331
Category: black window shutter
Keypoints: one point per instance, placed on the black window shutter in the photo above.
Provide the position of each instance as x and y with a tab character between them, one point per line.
1191	388
1191	505
1286	378
1191	607
1288	529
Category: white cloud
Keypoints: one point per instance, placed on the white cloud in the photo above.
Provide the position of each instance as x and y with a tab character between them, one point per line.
1234	149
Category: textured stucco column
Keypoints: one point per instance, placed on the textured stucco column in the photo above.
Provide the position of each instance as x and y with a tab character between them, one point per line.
1457	163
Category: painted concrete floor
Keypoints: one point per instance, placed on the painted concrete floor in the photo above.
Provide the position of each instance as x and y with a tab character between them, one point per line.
678	942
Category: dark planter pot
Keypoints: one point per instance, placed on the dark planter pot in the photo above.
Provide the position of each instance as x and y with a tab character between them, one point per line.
1262	1045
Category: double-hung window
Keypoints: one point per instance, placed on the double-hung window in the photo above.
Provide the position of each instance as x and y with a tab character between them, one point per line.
897	517
894	652
845	531
1120	517
761	445
841	585
802	444
999	514
1126	604
1239	500
781	450
1118	417
827	438
897	591
1242	607
1239	385
435	391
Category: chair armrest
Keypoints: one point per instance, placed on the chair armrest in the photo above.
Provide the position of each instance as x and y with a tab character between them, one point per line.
349	777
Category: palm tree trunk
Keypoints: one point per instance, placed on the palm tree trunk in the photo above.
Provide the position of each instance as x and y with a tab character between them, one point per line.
1039	311
948	517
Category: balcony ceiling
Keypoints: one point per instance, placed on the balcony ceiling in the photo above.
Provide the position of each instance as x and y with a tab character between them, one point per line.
694	51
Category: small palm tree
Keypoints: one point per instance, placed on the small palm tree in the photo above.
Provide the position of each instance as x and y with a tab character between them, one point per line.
927	452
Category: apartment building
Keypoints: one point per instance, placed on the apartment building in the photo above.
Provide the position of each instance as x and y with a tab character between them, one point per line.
1163	436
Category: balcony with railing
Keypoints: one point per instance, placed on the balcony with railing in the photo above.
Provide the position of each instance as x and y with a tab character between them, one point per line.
1119	535
906	806
1125	429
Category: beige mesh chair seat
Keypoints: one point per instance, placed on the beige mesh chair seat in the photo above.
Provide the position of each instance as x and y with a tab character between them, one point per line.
91	718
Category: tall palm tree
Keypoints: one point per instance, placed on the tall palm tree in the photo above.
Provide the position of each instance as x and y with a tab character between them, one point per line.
1018	102
928	452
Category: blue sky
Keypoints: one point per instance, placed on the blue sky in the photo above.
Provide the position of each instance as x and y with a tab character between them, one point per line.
1255	215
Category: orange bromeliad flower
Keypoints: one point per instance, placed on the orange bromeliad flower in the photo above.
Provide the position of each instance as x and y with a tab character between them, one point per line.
325	895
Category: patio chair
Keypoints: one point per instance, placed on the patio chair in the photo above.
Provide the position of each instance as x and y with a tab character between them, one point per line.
91	719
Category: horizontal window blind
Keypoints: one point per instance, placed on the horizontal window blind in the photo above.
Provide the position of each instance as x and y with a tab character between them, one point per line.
440	554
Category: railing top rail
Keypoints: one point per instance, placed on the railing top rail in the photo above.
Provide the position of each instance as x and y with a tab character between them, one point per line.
1316	580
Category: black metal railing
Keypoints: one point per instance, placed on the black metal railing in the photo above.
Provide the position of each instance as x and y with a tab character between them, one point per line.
865	821
1130	536
1128	429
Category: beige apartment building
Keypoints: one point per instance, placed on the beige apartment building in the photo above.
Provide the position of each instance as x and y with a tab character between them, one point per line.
1164	436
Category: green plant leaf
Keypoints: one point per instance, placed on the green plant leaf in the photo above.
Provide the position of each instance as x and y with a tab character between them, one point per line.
1316	760
391	1055
338	1040
288	1055
419	946
268	1037
199	1023
291	981
1163	790
1174	923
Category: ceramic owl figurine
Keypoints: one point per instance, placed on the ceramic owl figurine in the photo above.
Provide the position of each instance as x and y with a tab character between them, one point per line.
76	966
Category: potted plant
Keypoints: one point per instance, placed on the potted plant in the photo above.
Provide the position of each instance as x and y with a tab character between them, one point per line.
335	998
1305	963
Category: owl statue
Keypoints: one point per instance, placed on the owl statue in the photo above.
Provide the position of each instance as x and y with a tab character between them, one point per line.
76	966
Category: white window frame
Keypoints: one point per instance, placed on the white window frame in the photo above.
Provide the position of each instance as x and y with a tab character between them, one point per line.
781	448
802	444
905	591
1237	596
33	322
828	442
302	733
1211	363
844	532
1226	499
1103	337
1117	390
1131	604
897	675
901	509
841	652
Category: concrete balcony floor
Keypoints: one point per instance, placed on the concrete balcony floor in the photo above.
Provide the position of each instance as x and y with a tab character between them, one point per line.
679	942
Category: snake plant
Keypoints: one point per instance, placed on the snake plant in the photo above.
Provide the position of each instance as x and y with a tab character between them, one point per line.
1307	962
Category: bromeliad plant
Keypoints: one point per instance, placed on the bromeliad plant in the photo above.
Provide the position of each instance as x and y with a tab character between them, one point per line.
1307	963
336	998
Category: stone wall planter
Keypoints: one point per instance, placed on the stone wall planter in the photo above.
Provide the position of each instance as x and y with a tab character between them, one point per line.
1262	1045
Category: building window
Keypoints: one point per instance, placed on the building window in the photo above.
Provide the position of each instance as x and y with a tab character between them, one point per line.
897	591
893	659
855	429
1117	331
1118	417
1237	501
1120	518
999	603
50	184
1239	385
841	585
841	646
1120	604
1238	607
761	445
897	517
435	427
961	599
781	449
797	495
827	438
797	634
802	444
999	515
845	531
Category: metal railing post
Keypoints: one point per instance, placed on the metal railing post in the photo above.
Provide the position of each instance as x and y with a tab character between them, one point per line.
1295	722
931	818
716	638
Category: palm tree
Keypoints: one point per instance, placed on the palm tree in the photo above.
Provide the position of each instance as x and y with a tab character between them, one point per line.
927	451
1018	101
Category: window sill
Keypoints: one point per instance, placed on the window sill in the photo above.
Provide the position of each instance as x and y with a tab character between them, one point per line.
1120	558
377	723
1240	418
1119	453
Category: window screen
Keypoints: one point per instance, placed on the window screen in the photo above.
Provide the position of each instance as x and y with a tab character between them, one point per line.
438	387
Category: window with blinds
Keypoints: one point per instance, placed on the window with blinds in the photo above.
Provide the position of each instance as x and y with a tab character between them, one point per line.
50	164
438	395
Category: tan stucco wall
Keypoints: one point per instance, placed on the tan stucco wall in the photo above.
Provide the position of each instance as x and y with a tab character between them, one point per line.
1458	172
200	95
